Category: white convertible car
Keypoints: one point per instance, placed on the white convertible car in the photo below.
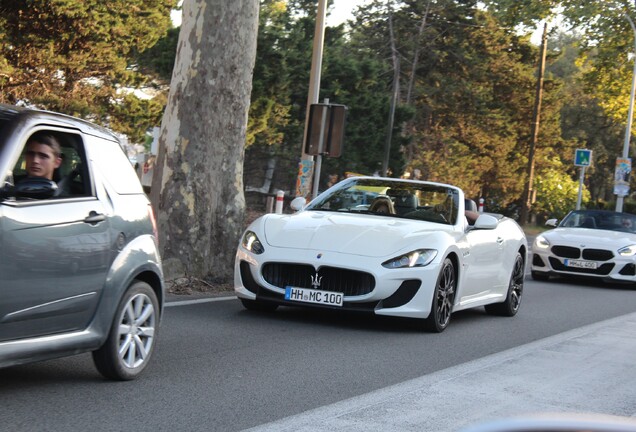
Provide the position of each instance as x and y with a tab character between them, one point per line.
388	246
596	244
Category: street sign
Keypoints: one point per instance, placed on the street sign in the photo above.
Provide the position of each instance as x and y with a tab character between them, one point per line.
325	131
582	157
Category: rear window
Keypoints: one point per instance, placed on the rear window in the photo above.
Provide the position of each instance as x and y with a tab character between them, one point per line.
114	166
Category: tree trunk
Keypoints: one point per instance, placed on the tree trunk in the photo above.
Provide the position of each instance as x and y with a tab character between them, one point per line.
197	190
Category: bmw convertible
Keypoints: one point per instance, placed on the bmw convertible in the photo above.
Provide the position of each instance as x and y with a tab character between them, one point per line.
395	247
595	244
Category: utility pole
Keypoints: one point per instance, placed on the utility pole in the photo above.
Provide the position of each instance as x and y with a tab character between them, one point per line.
528	191
628	128
306	161
394	97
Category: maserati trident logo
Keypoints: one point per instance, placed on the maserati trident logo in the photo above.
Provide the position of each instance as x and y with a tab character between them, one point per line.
315	281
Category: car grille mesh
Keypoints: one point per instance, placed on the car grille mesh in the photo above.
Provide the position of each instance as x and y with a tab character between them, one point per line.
588	254
348	282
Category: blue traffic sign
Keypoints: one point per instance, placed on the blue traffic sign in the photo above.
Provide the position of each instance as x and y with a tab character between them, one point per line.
582	157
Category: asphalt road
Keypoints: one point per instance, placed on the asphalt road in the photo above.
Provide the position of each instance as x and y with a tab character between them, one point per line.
219	367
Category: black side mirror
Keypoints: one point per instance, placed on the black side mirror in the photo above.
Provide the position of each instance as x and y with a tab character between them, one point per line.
34	188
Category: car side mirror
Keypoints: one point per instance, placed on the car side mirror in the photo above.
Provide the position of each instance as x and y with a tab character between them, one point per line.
35	188
486	221
551	222
298	203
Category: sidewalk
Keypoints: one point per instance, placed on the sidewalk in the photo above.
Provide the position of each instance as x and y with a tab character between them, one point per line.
591	369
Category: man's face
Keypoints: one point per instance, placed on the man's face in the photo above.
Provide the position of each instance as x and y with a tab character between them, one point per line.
41	160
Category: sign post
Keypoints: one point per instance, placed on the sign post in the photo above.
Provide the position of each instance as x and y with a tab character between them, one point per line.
583	159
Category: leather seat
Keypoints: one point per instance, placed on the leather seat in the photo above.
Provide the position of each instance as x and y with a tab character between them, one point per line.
382	204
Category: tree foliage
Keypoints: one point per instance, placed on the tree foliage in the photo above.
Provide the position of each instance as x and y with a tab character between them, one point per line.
75	56
466	75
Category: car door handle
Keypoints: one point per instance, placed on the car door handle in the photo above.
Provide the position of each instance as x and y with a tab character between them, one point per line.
499	240
94	218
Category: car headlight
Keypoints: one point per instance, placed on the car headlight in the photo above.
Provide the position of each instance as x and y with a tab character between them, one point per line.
417	258
627	250
251	242
541	242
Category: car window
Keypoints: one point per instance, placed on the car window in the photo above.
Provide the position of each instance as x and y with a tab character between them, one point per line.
71	176
109	157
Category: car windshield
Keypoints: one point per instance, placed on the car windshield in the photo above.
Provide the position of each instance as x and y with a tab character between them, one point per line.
604	220
386	197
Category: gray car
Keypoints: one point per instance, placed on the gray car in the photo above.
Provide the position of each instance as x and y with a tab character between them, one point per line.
80	269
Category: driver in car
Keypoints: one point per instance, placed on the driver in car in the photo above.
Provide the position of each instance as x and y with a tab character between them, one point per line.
43	156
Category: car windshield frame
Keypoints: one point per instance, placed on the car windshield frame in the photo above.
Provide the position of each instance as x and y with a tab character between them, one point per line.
422	201
601	220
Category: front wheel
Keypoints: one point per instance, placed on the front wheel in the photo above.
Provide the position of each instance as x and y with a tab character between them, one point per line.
443	299
131	339
510	306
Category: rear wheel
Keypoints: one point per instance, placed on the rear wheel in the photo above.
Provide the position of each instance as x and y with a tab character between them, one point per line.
131	339
515	290
259	306
443	299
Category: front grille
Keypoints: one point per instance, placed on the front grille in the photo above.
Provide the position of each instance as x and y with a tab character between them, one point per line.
602	270
597	255
334	279
566	251
588	254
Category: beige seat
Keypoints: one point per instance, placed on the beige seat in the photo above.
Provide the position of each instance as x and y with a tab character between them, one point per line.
382	204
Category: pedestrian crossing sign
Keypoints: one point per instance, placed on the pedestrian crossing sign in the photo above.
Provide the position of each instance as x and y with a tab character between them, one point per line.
582	157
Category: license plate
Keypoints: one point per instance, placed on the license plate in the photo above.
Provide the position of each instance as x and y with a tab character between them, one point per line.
580	264
313	296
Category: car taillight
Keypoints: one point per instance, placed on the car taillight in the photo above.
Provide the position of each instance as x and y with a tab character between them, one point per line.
151	215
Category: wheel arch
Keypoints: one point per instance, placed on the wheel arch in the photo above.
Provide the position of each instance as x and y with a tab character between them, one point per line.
523	250
455	260
155	282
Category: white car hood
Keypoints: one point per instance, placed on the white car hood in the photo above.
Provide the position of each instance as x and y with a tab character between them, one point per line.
364	235
590	238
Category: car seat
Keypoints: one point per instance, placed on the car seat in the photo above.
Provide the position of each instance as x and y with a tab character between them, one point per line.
382	204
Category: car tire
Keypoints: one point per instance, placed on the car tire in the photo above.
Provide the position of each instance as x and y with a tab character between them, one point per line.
258	306
443	298
511	305
131	339
538	276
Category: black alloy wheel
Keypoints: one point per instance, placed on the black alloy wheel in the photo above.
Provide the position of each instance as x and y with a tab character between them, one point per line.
511	305
443	298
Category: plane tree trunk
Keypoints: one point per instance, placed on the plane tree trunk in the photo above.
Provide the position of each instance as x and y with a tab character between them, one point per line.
197	189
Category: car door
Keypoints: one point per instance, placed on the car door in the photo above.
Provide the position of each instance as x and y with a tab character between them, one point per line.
483	259
54	256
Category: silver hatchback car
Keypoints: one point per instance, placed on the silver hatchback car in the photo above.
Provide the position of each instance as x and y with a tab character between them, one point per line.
80	268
